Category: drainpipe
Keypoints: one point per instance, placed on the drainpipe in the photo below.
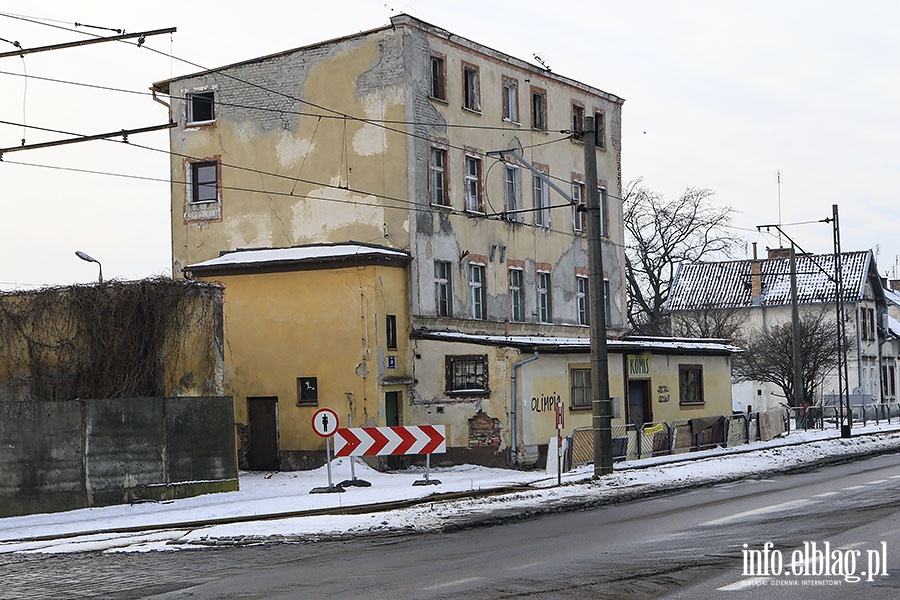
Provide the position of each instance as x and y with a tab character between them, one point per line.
512	407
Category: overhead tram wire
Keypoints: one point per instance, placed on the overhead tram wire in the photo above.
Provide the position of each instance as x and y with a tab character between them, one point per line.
220	72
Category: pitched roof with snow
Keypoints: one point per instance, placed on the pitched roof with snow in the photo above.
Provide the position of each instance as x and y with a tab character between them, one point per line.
728	284
312	256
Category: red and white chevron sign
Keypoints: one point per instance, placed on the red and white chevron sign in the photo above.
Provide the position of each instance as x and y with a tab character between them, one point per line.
381	441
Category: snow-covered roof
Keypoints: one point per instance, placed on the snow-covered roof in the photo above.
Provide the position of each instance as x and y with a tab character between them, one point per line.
560	345
891	296
893	326
275	259
728	284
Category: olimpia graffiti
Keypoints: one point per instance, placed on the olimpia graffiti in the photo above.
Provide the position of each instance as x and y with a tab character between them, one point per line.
545	403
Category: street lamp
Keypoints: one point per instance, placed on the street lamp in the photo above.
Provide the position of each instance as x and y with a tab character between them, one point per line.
89	258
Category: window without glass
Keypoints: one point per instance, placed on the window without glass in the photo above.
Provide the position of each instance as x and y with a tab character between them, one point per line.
581	388
513	193
539	110
577	119
579	208
581	297
390	323
466	374
516	296
437	180
204	182
477	295
473	184
600	129
201	107
510	100
545	314
438	78
471	88
690	384
541	192
442	288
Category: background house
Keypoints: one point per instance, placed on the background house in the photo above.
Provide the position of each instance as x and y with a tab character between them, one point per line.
755	294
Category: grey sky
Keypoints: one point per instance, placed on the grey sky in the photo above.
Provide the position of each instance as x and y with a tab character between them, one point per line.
719	94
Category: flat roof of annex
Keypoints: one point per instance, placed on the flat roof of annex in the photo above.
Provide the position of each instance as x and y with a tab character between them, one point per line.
404	20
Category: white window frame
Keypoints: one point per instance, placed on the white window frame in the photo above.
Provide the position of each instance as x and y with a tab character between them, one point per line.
192	98
579	217
437	177
541	192
544	296
473	184
516	295
196	185
510	100
443	290
581	298
477	292
513	193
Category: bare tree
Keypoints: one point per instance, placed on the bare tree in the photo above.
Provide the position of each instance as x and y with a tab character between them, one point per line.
710	322
769	355
660	234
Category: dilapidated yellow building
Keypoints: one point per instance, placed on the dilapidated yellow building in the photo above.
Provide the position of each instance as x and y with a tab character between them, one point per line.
410	139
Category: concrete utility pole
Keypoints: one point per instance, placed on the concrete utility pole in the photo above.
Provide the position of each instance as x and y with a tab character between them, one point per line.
795	332
600	403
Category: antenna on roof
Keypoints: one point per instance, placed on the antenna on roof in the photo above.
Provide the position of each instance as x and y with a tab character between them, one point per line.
778	179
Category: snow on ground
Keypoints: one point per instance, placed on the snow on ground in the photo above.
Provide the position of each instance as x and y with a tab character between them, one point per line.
173	525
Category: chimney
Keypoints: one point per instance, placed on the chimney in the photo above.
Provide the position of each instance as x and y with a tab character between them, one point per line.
755	280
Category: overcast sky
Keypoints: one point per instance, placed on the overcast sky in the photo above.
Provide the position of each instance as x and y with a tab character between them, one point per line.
718	94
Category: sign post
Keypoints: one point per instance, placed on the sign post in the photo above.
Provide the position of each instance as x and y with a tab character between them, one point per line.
560	423
325	423
353	481
427	480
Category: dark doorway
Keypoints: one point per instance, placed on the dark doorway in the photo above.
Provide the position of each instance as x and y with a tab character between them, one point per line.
391	408
263	433
639	411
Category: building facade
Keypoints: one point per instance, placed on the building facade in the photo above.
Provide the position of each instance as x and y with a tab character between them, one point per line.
414	139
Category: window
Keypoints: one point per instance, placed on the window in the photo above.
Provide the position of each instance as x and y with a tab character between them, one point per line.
442	288
579	208
510	100
541	191
577	118
867	316
888	382
516	296
438	78
471	88
307	391
581	297
539	109
477	292
201	107
390	325
473	184
690	384
607	301
513	193
581	388
545	314
466	374
604	213
204	182
437	181
600	129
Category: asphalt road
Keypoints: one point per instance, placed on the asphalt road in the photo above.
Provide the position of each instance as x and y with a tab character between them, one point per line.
684	545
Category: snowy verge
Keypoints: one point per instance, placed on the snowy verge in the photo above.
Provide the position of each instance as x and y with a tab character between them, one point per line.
162	526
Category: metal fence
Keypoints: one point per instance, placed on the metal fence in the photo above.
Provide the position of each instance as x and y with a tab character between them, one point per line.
689	435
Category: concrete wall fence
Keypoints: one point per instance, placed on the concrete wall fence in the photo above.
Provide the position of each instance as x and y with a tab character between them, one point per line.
57	456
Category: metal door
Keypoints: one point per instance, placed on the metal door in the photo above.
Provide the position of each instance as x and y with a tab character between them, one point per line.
263	433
